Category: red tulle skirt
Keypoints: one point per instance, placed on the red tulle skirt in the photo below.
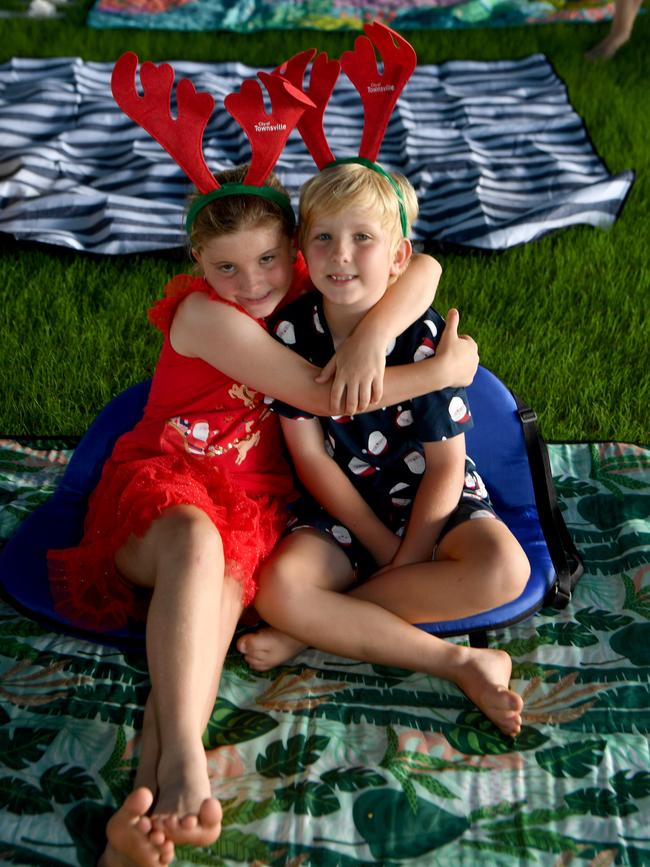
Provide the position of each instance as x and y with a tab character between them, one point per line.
86	586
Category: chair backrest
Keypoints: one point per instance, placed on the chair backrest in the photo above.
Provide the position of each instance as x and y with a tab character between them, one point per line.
118	416
497	444
59	522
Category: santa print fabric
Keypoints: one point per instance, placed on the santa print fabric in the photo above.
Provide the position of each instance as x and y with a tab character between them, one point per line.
381	451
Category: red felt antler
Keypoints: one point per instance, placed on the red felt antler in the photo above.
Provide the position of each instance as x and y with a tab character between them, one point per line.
323	77
379	93
267	133
181	137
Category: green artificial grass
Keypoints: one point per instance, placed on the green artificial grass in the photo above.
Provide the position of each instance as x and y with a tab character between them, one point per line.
562	320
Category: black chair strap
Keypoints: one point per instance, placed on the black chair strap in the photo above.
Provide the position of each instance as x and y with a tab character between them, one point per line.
566	560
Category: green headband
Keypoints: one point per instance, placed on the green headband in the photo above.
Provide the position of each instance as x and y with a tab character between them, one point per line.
362	161
272	195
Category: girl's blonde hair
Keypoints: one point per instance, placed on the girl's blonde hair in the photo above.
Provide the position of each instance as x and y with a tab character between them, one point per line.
230	214
347	185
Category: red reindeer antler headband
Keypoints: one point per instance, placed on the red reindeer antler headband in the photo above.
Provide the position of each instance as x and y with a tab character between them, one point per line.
182	137
378	91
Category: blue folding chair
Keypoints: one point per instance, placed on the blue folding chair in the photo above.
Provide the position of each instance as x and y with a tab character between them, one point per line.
58	523
512	459
505	443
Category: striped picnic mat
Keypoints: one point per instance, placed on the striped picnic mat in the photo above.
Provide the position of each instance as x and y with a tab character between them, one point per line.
496	153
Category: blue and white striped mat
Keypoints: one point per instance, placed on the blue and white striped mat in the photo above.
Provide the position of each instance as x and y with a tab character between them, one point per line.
495	151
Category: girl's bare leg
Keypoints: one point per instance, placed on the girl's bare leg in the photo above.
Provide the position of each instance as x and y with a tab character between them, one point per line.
359	628
625	12
145	775
192	617
182	829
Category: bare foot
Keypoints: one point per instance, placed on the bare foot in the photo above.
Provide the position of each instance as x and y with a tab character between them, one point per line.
185	811
132	839
606	48
196	829
267	648
485	679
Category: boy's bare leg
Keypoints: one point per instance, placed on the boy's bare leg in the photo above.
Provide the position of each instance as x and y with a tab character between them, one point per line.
181	559
357	628
625	12
478	565
268	647
311	554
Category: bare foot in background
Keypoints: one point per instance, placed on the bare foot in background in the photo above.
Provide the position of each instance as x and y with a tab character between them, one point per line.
625	12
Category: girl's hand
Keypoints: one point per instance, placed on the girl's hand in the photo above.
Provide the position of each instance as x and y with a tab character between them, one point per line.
458	351
358	372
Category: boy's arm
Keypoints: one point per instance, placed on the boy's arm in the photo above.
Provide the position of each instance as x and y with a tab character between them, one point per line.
436	498
329	485
235	344
359	362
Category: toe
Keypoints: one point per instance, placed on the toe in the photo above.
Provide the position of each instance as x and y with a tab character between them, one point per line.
138	802
210	813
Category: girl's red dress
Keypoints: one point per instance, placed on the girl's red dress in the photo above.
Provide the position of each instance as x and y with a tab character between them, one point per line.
203	440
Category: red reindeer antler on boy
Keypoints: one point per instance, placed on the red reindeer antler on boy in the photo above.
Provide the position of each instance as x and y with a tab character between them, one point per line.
182	137
378	91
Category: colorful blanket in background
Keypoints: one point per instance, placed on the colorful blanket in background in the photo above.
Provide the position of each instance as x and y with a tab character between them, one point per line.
496	153
339	764
247	16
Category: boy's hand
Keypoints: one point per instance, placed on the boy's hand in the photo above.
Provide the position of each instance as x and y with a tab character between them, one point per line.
358	371
459	352
384	547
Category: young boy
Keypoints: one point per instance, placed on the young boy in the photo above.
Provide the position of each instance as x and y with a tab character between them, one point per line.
401	505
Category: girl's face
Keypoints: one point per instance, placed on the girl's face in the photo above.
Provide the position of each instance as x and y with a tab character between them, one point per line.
351	259
252	267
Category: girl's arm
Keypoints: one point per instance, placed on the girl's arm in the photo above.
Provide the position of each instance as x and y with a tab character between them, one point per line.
436	498
329	485
358	364
240	348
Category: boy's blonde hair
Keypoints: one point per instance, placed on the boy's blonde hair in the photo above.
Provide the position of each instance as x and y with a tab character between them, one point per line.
230	214
346	185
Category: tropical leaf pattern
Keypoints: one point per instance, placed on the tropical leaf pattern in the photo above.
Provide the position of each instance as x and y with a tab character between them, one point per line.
329	762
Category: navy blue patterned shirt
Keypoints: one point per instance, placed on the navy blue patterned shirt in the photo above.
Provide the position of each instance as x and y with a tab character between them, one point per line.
380	451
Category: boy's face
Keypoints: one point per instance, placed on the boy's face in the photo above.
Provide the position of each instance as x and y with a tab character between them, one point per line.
252	267
350	257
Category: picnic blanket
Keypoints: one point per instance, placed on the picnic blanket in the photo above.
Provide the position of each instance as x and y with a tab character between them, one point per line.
495	151
325	761
246	16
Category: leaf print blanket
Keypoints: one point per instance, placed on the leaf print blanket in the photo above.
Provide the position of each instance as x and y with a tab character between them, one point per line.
329	762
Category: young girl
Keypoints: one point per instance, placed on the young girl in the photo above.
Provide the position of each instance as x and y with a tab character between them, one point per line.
194	497
396	488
